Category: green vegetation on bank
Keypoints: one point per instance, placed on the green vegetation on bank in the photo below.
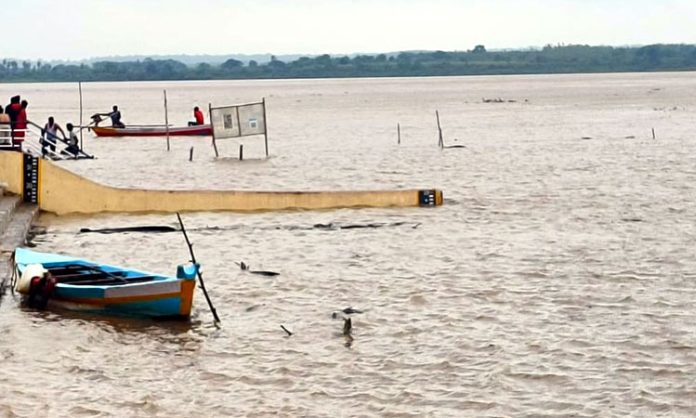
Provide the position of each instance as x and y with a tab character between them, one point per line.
550	59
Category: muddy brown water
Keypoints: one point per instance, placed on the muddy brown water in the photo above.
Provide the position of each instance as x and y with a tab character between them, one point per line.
556	280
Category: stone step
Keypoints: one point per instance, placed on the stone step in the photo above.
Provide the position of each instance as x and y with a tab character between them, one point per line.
8	205
17	218
15	234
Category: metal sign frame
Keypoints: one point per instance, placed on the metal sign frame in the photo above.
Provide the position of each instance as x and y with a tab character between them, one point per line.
239	125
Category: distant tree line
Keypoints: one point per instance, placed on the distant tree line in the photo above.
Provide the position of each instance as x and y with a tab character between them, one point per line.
478	61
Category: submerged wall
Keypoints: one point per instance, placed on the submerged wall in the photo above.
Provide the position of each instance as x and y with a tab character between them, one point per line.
61	191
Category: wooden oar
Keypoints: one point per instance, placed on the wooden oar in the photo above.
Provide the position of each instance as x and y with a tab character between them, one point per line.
198	270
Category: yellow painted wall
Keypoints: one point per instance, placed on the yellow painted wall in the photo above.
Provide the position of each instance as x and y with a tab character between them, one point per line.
62	192
11	171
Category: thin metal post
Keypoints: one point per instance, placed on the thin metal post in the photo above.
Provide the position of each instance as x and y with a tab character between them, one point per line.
79	85
265	125
212	128
241	152
239	124
166	118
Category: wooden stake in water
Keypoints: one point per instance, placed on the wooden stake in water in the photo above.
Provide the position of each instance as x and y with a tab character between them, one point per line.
79	86
166	118
191	154
398	133
653	131
440	141
200	275
241	152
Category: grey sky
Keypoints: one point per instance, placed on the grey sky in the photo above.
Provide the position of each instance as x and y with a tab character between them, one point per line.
76	29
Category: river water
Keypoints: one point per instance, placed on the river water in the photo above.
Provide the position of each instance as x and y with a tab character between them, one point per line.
556	280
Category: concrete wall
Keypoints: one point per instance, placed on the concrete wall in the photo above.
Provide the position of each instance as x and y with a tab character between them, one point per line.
62	192
11	171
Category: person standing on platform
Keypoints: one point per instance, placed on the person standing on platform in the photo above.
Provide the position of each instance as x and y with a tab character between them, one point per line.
5	128
12	110
50	134
21	123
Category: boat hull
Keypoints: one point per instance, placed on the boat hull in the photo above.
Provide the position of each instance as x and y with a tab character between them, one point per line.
197	130
137	293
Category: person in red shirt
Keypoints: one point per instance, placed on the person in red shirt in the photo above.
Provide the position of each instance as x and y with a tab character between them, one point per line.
21	123
18	118
198	115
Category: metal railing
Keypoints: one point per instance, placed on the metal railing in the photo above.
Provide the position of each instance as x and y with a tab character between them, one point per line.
35	141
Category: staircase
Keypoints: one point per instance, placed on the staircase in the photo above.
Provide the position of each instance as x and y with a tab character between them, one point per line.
15	220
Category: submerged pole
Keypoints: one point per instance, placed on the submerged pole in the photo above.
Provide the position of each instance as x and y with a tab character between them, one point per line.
200	275
398	133
191	154
166	118
440	141
653	132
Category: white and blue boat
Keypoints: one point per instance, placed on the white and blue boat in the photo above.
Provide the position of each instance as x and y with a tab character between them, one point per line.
71	283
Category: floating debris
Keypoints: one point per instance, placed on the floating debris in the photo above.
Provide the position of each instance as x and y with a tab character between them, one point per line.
246	267
347	311
144	228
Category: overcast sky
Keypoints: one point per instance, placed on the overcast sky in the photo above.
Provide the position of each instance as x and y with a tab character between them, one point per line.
77	29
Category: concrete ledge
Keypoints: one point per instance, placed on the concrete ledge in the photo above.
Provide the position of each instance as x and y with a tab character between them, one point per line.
14	236
17	229
8	204
61	191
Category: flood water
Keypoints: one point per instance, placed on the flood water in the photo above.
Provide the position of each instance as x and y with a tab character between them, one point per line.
558	278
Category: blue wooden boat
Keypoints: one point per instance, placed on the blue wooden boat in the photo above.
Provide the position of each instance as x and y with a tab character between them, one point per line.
71	283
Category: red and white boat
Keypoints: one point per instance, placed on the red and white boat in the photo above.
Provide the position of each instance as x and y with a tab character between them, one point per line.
159	130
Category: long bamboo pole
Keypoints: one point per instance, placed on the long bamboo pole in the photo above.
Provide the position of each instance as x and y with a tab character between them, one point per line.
166	118
265	125
79	85
200	275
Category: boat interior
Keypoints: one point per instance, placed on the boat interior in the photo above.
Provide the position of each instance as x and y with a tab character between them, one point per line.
81	274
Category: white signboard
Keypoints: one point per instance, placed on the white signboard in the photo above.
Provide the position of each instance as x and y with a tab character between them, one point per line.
239	120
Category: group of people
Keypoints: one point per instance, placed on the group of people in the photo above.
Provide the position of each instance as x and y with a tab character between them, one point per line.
13	124
115	116
13	121
49	135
